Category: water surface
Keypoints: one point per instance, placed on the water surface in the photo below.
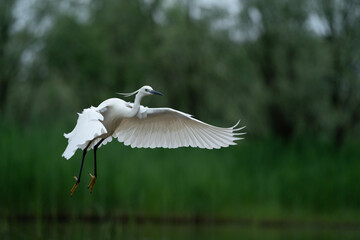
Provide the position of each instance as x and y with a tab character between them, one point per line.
115	230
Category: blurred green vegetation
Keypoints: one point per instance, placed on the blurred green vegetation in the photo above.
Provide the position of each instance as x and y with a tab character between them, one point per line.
289	69
111	230
257	179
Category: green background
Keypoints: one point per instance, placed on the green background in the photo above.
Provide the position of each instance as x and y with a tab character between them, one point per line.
294	85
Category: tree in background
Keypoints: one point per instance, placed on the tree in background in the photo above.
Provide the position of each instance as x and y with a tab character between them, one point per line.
8	60
281	76
342	35
304	72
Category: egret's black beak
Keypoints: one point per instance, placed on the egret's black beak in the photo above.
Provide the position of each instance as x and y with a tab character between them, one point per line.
156	92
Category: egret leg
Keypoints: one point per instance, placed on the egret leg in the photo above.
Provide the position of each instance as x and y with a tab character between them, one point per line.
93	177
77	179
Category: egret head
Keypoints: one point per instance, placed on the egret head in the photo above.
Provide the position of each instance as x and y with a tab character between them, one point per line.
147	90
143	91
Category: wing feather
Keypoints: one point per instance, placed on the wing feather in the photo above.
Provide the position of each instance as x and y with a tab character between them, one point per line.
203	139
146	131
128	134
194	138
87	128
177	139
216	136
225	135
210	138
169	128
186	140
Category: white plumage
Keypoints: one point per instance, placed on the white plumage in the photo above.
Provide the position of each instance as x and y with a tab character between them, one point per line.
88	127
168	128
143	127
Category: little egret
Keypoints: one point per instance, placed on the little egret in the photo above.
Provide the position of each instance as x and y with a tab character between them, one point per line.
141	127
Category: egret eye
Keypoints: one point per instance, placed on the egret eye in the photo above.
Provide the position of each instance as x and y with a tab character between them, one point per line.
146	90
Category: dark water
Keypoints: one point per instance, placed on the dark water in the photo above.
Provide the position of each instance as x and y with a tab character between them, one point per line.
113	230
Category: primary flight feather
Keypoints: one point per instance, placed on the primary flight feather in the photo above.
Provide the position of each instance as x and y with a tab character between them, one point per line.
142	127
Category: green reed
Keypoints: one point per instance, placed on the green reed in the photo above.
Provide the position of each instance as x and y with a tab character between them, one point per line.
257	179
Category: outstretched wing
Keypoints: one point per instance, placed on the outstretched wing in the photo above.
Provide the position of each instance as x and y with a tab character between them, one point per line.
169	128
87	128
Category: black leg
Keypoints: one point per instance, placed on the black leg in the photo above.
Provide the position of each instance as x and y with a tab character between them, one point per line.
95	148
82	161
81	166
93	178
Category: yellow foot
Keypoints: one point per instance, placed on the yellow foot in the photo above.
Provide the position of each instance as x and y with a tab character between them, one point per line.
75	186
92	182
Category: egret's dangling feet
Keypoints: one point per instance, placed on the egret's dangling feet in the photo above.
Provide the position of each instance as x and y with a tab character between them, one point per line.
92	182
75	186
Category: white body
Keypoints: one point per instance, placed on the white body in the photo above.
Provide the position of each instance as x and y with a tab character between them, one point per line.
143	127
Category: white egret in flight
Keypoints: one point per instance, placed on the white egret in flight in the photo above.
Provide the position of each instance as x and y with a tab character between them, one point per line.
141	127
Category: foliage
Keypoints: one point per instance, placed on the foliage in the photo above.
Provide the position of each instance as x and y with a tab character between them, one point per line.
258	179
288	69
282	78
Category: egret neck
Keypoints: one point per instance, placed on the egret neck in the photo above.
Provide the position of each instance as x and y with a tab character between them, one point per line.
136	106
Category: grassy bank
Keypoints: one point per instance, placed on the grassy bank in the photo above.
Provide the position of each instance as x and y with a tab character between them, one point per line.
256	179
